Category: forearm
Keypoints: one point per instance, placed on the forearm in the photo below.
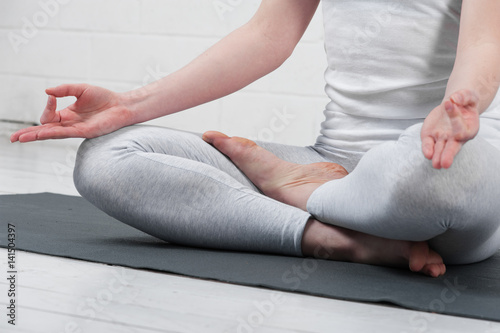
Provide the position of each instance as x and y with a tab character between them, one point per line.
234	62
477	68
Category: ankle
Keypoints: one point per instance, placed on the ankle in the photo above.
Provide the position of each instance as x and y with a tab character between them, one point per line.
327	242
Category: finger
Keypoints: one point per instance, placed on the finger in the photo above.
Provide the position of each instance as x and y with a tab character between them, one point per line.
67	90
457	98
28	136
463	128
449	152
50	115
15	136
32	133
44	132
456	120
58	132
451	109
438	150
428	147
464	97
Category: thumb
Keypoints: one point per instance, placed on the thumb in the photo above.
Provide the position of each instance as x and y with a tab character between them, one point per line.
464	97
50	115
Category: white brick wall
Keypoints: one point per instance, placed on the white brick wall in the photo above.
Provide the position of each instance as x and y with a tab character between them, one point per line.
122	44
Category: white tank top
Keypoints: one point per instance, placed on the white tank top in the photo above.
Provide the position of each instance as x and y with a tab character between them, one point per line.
388	65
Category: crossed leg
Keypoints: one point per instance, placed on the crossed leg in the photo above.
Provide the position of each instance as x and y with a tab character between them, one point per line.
176	187
293	184
393	193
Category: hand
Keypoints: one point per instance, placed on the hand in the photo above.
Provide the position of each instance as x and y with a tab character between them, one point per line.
449	126
97	111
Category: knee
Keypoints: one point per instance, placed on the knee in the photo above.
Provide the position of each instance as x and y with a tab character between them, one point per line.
470	181
100	161
88	165
97	158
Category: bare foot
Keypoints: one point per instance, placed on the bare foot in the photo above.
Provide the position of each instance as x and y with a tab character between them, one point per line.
330	242
287	182
294	183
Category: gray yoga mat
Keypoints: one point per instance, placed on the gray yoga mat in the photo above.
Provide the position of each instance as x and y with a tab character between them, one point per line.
71	227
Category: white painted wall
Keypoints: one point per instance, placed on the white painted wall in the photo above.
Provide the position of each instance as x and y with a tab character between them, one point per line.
122	44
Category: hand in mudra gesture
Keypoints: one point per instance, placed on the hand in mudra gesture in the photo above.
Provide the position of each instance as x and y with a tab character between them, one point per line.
449	126
97	111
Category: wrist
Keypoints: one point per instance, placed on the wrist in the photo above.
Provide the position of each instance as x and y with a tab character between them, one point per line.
131	102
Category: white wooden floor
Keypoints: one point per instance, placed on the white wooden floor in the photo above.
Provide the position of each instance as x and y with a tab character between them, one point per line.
61	295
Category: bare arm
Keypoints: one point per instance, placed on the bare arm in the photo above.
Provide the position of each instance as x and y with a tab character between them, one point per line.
472	86
477	65
245	55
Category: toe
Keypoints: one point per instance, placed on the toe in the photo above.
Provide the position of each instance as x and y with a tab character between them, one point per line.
426	261
211	136
418	256
220	141
434	270
238	149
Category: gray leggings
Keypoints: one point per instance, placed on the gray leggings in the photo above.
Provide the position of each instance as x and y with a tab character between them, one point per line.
173	185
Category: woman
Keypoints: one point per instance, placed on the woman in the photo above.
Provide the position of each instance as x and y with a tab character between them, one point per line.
402	92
